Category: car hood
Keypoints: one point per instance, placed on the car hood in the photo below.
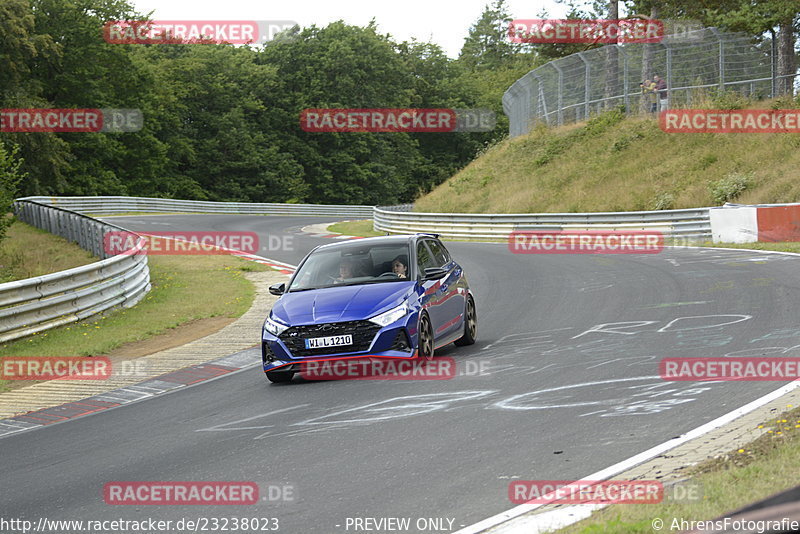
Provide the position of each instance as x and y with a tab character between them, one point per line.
337	304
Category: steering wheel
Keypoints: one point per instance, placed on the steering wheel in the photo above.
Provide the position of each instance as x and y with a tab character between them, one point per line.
385	275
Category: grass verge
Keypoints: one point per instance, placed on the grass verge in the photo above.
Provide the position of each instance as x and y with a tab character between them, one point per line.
356	228
27	252
730	481
184	289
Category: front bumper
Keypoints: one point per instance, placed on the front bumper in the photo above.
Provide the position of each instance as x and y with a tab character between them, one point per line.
397	340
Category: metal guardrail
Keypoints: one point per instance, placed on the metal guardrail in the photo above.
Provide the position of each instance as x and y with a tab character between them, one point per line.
686	223
45	302
110	205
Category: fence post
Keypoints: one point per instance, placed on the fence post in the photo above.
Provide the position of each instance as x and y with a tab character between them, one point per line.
560	93
625	83
772	64
542	99
586	87
669	74
526	113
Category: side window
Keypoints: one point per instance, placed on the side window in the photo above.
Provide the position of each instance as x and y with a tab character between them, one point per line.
424	258
439	253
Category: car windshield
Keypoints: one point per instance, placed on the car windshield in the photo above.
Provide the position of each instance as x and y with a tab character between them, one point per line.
353	265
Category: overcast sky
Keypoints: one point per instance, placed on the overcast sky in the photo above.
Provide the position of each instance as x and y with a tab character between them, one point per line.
445	22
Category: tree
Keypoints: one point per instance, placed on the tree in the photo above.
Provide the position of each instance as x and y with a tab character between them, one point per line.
487	45
10	176
756	17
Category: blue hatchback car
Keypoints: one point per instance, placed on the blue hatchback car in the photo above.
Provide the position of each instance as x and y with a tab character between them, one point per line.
379	297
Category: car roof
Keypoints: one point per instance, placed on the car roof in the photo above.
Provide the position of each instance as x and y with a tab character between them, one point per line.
376	240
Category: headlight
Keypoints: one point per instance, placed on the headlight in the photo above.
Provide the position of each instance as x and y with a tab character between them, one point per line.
274	327
387	318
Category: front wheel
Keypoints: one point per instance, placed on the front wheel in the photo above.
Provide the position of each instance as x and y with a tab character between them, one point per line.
425	339
279	377
470	325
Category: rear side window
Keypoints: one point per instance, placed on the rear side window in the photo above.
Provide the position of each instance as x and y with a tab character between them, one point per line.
439	253
424	258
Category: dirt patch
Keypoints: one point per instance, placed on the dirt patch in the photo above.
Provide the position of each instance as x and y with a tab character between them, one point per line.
176	337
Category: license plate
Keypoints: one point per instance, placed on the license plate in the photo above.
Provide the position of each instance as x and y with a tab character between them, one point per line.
330	341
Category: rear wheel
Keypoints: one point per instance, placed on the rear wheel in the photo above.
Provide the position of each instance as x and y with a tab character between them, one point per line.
279	377
470	325
425	339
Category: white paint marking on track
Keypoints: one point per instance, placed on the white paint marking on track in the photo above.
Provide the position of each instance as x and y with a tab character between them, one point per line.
571	514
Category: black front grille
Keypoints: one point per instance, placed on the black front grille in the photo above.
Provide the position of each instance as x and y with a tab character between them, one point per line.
363	333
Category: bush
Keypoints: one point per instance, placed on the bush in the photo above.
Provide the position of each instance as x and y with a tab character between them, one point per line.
9	180
729	100
663	201
730	187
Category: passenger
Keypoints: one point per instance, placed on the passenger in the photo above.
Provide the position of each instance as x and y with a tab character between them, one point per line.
400	266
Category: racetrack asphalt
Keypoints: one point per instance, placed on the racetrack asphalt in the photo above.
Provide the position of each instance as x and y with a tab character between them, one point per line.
559	396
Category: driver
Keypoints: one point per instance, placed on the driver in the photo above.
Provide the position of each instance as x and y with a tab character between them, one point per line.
346	270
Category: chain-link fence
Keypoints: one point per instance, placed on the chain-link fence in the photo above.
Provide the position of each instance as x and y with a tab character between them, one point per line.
693	64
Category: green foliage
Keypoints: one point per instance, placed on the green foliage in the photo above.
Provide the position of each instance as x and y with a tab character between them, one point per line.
663	201
221	122
731	186
10	177
594	127
487	45
729	100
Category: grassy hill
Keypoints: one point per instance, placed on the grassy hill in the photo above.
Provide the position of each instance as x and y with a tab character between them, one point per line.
615	163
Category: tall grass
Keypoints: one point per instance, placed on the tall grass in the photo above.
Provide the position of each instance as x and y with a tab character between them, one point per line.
618	163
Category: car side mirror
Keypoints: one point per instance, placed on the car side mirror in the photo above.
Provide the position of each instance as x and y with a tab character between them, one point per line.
278	289
434	273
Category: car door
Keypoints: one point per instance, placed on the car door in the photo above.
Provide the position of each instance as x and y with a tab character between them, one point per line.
432	293
453	302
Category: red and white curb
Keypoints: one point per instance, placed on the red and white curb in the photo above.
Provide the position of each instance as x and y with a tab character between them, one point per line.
159	385
281	267
321	230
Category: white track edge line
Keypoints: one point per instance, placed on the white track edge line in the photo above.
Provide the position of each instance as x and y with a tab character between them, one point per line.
638	458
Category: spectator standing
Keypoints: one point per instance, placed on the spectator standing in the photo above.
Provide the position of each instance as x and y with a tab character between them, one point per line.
661	87
651	98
